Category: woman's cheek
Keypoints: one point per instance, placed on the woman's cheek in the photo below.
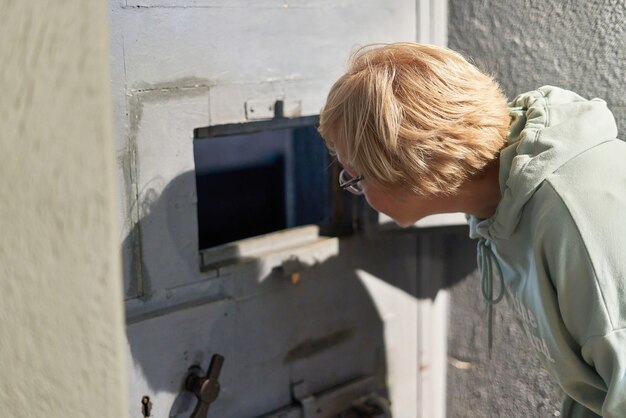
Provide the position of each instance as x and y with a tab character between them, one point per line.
380	205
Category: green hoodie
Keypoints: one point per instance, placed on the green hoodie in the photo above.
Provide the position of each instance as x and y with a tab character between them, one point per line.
558	240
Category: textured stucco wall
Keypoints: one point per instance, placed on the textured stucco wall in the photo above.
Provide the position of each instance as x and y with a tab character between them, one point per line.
578	45
525	44
61	324
511	383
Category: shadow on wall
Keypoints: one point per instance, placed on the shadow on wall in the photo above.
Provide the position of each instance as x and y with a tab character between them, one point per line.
325	328
164	234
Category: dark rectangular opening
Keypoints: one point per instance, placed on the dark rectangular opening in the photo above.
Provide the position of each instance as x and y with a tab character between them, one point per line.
253	179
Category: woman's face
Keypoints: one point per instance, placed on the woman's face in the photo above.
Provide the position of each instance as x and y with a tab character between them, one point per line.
402	206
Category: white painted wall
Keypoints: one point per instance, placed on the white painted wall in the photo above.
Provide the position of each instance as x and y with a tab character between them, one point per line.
177	66
61	332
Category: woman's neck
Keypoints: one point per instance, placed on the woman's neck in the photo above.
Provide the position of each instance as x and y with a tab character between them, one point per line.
480	196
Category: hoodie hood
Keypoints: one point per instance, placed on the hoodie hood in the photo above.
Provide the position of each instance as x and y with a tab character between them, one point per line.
549	127
554	248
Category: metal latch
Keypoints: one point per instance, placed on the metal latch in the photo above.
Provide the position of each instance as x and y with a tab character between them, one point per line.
205	388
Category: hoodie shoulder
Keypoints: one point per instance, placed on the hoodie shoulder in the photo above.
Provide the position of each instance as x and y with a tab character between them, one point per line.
592	189
550	126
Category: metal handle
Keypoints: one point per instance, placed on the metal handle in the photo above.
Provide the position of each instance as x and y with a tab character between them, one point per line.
205	388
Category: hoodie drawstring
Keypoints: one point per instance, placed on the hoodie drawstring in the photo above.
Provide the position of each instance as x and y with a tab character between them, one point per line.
486	259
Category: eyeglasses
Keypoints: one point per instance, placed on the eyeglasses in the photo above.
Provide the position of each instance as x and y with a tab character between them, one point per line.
349	183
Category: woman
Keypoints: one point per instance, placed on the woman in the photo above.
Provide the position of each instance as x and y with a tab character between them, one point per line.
420	131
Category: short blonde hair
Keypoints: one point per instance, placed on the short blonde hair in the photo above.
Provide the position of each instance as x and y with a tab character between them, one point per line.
416	116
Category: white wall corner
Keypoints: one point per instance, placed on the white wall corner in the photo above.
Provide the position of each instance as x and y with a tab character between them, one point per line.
432	22
432	28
